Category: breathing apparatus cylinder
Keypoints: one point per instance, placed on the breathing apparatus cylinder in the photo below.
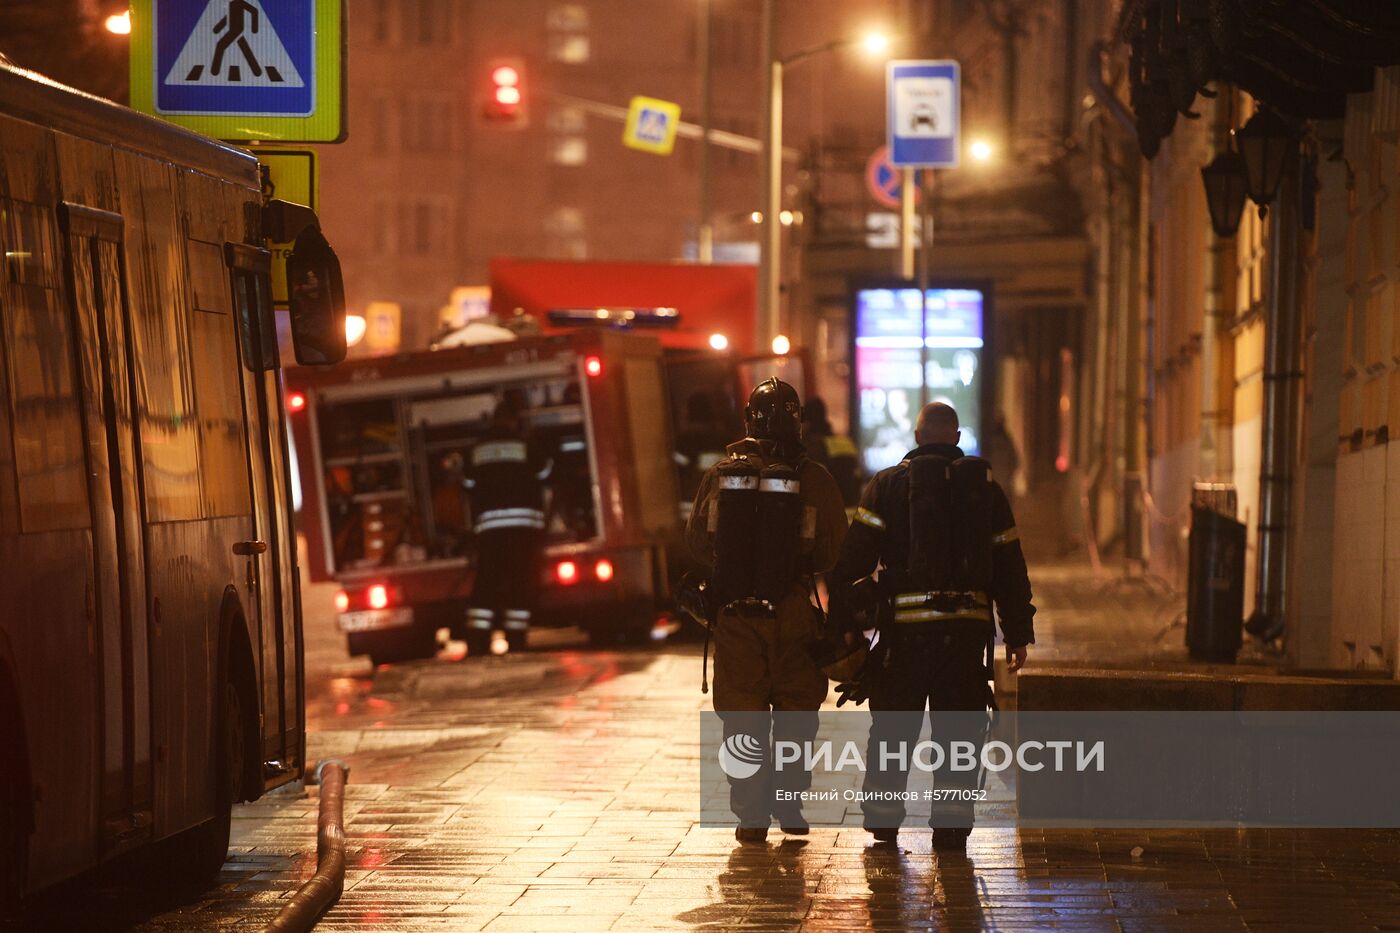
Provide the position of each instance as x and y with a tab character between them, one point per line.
779	531
930	551
737	524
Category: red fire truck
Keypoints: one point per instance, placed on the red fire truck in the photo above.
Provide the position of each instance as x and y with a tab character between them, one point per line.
381	445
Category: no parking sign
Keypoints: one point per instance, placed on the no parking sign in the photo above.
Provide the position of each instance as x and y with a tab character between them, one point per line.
884	181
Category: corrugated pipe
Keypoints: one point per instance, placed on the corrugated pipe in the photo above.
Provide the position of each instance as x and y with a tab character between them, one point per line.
322	889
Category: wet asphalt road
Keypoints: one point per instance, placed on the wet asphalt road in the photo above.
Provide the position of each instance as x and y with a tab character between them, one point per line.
557	790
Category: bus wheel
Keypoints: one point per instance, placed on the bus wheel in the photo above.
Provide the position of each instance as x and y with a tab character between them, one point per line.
394	646
203	850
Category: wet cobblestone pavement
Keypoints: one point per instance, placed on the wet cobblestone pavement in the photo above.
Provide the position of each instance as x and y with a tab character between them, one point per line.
556	790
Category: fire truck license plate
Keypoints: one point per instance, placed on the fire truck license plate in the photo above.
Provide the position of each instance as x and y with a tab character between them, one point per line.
374	619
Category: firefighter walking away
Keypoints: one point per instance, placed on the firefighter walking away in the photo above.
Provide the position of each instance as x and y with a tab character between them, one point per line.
941	531
506	480
765	520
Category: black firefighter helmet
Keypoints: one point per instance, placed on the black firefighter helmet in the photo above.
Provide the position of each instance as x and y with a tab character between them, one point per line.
774	412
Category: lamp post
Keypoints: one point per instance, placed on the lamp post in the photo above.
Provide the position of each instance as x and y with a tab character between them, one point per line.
770	243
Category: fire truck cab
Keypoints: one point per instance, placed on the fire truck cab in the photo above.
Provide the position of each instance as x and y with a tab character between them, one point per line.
381	447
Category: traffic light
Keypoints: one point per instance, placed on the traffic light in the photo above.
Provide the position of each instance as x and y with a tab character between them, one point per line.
505	94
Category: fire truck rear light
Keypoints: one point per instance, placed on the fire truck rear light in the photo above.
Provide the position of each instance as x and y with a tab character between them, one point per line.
566	571
603	570
593	366
342	601
378	597
296	401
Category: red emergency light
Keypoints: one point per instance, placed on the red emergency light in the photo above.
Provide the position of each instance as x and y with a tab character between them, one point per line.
593	365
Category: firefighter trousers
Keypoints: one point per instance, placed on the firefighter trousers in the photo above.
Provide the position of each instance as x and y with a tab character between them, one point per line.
763	667
503	596
934	668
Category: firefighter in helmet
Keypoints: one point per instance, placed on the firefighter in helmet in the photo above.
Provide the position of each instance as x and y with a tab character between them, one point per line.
941	531
765	520
506	479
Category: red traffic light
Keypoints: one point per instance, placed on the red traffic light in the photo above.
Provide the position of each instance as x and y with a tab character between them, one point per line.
593	365
504	102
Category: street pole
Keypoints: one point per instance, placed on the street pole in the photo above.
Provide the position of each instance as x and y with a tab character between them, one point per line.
906	232
772	180
926	181
705	235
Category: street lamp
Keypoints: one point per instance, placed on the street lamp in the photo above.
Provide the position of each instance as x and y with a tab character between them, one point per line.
980	150
770	244
119	24
1265	144
1226	187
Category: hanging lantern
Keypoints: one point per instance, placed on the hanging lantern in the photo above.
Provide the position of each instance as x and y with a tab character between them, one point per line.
1265	142
1226	189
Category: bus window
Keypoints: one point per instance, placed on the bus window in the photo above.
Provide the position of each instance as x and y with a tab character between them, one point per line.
252	297
47	431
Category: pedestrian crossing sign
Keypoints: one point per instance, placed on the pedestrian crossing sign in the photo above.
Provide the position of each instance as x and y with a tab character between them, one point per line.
242	70
651	125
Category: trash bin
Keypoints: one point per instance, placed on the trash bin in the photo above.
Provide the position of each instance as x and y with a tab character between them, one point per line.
1215	578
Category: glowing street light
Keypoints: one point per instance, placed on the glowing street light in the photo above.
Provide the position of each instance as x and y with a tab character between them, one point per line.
119	24
980	150
781	345
719	342
875	43
355	327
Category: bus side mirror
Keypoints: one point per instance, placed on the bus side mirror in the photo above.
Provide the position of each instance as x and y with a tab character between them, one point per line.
316	294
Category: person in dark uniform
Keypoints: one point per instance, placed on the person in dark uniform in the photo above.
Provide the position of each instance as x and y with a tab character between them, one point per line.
766	623
941	530
506	478
836	452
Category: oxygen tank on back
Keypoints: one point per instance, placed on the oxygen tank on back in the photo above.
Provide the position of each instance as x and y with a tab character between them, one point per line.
736	529
970	481
930	521
780	530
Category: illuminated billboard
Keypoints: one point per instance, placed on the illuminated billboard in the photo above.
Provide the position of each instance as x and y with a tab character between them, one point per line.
902	359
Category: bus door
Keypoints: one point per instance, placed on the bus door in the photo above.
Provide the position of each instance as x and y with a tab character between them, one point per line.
270	552
96	268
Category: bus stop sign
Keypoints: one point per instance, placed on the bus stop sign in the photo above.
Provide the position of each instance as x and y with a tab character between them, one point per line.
242	70
922	113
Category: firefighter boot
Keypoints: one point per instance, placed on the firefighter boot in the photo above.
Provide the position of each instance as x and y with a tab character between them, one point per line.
951	838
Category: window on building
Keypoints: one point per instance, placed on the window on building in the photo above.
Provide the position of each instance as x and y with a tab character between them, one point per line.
570	150
378	117
380	21
568	33
566	120
427	22
425	124
425	228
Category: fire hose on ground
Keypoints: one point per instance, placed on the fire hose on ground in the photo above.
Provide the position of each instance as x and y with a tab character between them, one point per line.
323	888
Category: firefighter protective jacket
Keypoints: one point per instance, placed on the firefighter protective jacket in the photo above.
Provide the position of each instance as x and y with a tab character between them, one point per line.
506	478
881	536
824	519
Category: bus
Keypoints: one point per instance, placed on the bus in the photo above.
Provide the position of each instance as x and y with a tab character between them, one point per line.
150	635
